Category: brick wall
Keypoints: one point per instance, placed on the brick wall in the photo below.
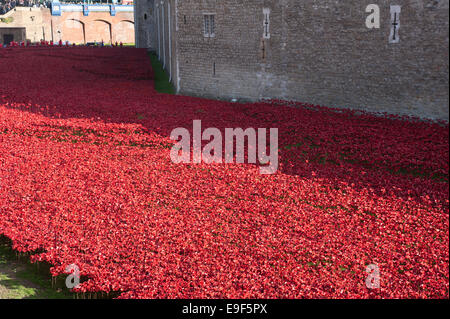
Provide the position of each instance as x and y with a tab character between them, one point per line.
319	52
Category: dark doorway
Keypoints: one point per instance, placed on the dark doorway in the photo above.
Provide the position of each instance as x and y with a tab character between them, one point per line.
8	38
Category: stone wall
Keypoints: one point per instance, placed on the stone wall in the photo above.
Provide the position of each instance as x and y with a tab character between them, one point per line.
145	22
318	52
33	20
17	34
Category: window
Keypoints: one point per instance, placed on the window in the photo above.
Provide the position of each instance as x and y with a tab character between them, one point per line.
209	27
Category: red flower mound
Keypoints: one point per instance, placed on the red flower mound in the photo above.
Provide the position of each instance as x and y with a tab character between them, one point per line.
86	179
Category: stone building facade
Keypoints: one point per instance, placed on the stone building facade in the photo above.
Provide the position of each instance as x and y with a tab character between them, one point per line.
314	51
75	27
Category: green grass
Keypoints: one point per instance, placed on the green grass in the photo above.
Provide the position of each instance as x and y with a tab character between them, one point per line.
7	20
20	279
162	84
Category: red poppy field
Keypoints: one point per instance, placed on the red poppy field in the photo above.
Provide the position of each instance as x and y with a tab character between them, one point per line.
86	178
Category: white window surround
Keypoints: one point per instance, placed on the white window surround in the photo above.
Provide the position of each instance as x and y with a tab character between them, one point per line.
394	36
266	23
209	25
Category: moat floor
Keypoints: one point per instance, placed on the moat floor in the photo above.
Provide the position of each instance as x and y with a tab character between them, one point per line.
358	208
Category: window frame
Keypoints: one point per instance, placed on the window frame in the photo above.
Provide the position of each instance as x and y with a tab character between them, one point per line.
209	25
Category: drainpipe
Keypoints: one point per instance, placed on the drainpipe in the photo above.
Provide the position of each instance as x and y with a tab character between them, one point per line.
159	35
163	34
177	65
170	43
51	28
136	26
